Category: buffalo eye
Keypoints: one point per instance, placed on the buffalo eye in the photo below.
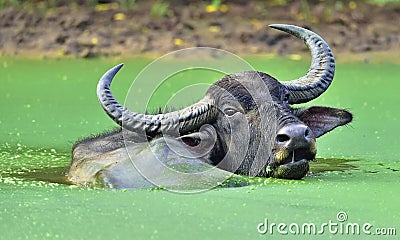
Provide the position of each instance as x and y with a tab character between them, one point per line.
230	111
286	98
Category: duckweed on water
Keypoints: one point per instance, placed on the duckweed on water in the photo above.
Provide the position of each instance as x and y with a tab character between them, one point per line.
19	163
357	170
14	158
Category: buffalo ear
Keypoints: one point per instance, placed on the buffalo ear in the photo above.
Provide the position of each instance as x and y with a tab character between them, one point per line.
323	119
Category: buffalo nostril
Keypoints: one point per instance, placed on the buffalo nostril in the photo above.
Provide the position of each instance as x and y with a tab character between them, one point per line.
281	138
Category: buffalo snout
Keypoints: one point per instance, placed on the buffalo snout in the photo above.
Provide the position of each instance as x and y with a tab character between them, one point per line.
295	147
294	136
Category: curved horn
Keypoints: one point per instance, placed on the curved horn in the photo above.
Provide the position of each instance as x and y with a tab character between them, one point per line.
184	120
322	69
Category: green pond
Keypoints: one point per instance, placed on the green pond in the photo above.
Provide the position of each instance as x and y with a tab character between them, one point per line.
46	105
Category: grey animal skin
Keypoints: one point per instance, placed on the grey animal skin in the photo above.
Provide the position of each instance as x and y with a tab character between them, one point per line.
244	125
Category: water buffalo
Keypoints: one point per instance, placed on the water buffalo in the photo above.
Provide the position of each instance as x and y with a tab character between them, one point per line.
244	125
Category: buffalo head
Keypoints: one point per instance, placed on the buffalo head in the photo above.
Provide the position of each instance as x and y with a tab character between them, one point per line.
255	130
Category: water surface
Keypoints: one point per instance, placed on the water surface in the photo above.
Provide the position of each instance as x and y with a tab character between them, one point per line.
46	105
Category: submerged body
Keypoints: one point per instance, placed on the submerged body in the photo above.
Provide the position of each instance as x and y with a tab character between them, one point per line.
245	125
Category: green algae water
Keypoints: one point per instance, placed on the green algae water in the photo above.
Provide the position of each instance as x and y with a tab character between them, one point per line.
46	105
